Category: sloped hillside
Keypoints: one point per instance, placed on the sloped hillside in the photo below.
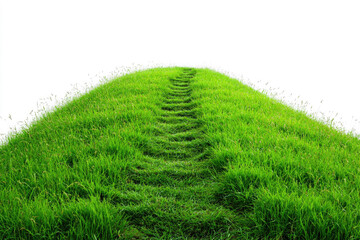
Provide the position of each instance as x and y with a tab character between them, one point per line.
179	153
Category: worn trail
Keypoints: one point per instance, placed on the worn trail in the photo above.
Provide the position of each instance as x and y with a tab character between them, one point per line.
174	181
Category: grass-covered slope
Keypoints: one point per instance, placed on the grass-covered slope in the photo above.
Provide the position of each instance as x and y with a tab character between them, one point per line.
177	153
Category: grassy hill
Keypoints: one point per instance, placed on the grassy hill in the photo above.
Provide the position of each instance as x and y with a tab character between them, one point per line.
179	153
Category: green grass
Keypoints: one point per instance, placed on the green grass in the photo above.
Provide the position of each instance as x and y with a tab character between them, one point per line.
179	153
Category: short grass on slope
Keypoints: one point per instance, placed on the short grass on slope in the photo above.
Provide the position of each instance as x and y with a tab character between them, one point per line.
177	153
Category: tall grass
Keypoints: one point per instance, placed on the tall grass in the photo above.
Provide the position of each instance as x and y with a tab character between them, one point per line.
182	154
296	177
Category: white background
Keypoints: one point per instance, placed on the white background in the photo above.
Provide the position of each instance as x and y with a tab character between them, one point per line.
305	50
